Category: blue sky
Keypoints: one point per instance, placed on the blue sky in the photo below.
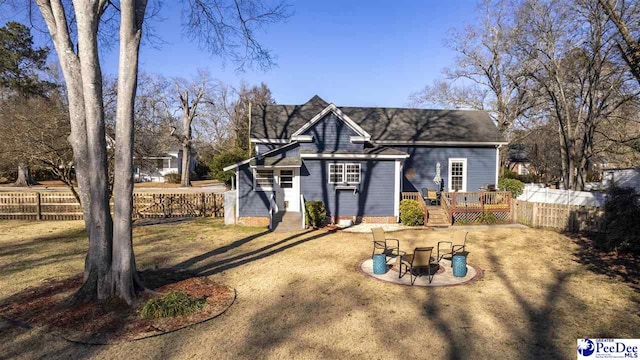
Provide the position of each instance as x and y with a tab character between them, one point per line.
358	53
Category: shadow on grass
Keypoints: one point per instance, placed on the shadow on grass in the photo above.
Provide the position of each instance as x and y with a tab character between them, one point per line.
611	263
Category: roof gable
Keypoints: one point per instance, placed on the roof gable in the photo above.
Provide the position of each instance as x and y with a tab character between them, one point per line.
382	125
331	108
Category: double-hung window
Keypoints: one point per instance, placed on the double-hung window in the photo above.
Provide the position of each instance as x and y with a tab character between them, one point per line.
458	174
341	173
352	173
263	180
336	173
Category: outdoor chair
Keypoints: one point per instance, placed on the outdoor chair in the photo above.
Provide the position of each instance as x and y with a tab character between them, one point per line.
430	196
418	263
450	248
382	245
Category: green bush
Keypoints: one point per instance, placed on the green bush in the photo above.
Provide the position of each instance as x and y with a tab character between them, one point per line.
411	213
508	174
488	218
172	305
316	213
516	187
173	178
621	214
225	158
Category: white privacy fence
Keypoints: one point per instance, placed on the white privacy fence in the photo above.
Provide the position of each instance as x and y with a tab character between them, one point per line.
535	193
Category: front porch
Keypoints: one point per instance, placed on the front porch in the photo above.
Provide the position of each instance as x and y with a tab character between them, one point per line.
464	207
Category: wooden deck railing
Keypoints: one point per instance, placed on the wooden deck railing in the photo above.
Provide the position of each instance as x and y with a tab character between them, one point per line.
453	203
496	201
417	197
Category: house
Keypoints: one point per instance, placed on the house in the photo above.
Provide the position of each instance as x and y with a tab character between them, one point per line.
519	159
155	168
622	177
358	160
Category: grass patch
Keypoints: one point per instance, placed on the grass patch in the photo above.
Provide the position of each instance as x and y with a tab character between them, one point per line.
171	305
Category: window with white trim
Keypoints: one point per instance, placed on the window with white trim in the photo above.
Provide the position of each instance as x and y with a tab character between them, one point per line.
341	173
286	179
352	172
458	174
336	173
263	180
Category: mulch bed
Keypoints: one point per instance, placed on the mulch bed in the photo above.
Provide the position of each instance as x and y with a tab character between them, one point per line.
111	322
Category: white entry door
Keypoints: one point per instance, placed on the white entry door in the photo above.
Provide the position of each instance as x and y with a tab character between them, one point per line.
289	185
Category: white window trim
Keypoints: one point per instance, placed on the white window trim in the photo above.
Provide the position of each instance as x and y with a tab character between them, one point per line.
464	173
345	178
329	173
260	188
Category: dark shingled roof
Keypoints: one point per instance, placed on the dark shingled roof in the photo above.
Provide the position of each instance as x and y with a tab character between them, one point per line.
375	150
383	124
276	161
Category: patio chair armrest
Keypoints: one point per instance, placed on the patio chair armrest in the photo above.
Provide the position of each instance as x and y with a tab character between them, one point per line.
396	241
445	242
455	248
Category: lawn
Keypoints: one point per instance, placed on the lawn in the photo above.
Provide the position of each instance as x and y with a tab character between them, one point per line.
300	296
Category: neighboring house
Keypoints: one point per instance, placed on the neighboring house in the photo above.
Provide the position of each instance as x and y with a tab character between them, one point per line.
623	177
519	159
154	168
358	160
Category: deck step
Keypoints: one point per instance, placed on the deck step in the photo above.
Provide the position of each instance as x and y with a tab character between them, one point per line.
437	218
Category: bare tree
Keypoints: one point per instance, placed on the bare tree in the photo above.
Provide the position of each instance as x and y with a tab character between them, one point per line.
189	97
566	49
485	59
629	45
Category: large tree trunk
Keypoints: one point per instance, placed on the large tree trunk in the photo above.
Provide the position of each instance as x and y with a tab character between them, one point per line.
185	179
109	270
123	270
97	268
23	179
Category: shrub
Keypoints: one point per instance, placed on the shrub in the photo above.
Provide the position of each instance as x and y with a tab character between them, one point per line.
529	178
411	213
621	214
515	187
316	213
173	178
171	305
488	218
225	158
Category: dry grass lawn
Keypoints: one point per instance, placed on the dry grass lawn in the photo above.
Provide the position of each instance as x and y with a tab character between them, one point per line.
299	295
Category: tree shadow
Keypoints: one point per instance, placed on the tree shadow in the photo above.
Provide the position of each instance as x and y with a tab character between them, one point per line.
625	267
540	335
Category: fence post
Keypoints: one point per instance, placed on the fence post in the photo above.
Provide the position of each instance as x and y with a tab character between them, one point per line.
38	207
203	211
534	215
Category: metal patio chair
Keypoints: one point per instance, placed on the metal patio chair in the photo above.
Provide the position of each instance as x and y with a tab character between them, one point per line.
430	196
450	248
382	245
418	263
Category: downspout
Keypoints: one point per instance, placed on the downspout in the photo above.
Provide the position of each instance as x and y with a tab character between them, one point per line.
249	133
497	164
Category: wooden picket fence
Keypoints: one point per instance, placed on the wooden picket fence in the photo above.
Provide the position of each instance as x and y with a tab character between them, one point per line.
561	217
64	206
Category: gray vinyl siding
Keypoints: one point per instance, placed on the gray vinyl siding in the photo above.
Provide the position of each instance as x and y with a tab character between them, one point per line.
263	148
420	167
331	134
375	195
256	203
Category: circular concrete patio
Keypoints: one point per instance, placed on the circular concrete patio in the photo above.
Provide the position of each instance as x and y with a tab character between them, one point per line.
443	277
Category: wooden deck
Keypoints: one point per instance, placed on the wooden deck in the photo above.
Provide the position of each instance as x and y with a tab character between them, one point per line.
467	206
